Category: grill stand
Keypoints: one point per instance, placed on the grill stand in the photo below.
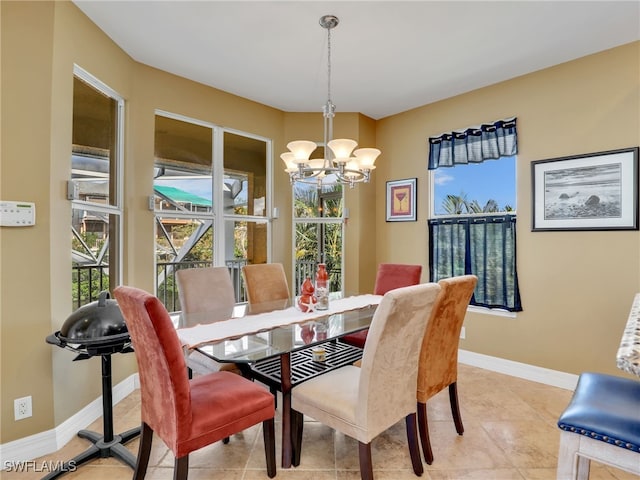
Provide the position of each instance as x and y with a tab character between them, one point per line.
107	445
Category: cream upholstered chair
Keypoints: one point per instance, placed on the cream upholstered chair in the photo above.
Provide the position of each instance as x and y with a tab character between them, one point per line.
601	423
208	290
364	402
186	414
266	286
438	366
388	277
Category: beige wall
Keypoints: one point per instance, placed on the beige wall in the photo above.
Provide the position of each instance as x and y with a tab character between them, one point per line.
576	287
25	270
41	41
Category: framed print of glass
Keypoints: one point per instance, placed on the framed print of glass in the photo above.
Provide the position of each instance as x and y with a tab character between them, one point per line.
401	200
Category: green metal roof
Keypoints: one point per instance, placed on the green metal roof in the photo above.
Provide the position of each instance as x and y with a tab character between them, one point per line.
180	196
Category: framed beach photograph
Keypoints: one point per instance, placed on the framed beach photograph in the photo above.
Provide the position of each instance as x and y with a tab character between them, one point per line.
401	200
595	191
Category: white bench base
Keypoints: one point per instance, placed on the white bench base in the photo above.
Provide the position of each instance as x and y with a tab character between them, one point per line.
577	451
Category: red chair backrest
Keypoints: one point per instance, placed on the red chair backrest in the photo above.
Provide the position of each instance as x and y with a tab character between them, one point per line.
164	384
396	275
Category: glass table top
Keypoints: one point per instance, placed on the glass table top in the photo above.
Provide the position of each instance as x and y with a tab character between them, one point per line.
274	342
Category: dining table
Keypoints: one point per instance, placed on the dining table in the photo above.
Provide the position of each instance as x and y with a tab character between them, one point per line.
280	345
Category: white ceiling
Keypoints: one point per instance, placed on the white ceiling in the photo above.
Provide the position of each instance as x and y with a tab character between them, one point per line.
387	56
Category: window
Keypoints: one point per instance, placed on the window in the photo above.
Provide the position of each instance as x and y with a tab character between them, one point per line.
318	220
210	203
473	214
94	188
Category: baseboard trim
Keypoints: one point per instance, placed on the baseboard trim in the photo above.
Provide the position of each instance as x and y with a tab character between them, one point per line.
549	377
44	443
50	441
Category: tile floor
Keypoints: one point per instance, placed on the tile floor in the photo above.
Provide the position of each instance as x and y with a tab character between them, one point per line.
510	434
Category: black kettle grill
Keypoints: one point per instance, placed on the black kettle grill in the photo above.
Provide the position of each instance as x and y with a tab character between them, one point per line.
94	329
97	329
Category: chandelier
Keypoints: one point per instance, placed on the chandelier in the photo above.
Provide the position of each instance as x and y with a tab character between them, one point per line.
341	163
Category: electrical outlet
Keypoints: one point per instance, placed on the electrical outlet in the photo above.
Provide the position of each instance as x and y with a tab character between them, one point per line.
462	333
22	408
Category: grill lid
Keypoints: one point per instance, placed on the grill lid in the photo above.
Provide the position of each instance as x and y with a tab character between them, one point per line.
99	322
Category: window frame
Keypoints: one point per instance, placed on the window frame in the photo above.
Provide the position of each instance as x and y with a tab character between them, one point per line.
116	207
321	221
217	216
432	215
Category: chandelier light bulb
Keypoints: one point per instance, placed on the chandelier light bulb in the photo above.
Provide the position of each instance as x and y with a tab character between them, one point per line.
316	163
366	157
342	148
352	168
301	149
289	160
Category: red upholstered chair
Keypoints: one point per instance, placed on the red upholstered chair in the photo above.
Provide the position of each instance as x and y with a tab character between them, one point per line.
186	414
389	277
438	366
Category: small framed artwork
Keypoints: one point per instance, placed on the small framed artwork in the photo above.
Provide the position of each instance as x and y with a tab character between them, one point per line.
595	191
401	200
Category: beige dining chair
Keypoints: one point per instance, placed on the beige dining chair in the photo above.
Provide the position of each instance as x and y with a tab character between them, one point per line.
266	286
208	290
364	402
438	365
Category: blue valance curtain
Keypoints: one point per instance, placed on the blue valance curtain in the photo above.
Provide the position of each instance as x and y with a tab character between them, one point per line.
480	245
474	144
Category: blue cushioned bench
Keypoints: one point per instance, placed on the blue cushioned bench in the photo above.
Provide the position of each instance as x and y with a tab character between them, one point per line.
602	423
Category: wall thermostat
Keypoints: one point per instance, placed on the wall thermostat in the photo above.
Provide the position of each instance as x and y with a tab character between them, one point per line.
17	214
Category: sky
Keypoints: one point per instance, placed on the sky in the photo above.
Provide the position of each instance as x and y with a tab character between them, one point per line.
491	179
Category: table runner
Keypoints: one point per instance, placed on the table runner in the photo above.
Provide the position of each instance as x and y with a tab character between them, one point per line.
193	337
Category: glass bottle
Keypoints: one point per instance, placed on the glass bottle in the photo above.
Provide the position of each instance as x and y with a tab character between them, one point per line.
322	287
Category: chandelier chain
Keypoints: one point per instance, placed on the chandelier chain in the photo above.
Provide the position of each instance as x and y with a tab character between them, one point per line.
329	64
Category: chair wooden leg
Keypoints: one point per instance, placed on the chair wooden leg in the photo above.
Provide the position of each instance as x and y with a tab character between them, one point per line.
225	440
424	433
583	467
181	468
412	440
455	407
269	436
297	427
571	466
144	451
366	467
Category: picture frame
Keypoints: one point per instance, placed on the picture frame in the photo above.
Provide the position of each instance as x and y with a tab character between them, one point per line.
594	191
401	200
